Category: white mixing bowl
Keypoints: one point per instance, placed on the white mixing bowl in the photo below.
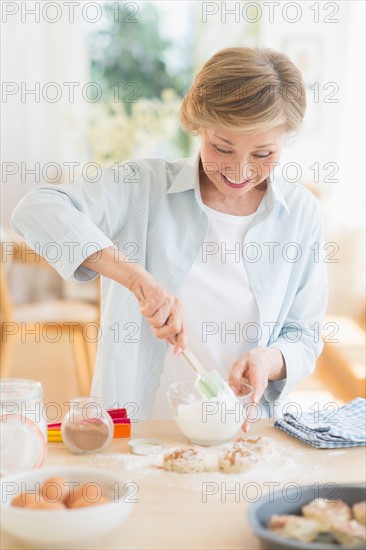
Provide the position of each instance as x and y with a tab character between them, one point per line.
67	528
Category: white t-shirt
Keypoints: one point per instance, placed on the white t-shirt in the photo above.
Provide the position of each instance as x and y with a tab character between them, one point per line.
219	308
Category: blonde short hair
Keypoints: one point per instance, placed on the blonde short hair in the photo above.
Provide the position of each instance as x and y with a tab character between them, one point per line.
247	90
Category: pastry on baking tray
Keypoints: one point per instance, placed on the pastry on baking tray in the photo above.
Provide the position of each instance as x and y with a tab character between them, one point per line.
236	460
326	512
294	527
359	512
184	461
261	445
350	534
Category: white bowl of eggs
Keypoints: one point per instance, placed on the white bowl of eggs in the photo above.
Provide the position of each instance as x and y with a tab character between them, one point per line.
64	507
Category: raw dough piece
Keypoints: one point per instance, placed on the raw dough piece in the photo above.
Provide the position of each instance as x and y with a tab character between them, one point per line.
294	527
359	512
326	512
350	534
261	445
236	460
184	461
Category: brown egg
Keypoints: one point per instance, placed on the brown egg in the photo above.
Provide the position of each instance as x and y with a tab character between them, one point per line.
90	492
81	502
42	504
23	500
55	489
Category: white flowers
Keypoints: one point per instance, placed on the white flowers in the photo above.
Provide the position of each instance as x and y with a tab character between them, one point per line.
152	129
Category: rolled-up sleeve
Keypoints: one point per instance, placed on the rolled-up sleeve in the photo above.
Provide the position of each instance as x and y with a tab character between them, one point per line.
67	223
299	339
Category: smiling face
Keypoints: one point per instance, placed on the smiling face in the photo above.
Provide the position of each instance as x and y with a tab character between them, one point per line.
235	163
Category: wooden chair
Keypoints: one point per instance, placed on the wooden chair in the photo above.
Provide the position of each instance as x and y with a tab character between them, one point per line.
342	363
53	315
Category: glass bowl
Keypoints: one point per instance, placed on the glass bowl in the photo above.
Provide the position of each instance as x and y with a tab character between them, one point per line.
208	421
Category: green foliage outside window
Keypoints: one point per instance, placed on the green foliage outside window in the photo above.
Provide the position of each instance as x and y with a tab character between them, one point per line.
128	61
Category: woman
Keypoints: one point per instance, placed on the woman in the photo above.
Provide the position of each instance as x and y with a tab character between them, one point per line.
220	247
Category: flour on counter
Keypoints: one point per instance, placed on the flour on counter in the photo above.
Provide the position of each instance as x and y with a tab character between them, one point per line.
276	467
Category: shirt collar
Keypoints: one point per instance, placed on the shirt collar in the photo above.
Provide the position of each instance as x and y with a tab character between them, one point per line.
188	178
275	194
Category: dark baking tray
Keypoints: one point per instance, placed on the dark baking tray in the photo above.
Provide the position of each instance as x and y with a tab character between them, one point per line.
260	513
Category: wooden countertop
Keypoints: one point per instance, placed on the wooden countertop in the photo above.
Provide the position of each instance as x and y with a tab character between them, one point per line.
207	510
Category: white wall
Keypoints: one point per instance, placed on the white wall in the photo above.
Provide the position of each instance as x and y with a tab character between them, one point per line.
40	131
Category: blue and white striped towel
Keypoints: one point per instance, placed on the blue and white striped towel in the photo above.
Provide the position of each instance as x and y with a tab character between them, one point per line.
345	428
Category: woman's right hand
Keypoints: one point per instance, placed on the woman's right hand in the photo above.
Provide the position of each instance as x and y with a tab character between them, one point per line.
160	308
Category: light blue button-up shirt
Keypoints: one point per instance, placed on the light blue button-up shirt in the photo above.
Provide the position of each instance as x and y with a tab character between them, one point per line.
149	209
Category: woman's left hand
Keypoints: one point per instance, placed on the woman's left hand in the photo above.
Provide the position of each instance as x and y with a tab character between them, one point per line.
257	367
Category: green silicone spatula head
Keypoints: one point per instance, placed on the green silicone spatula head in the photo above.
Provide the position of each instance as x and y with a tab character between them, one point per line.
209	384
